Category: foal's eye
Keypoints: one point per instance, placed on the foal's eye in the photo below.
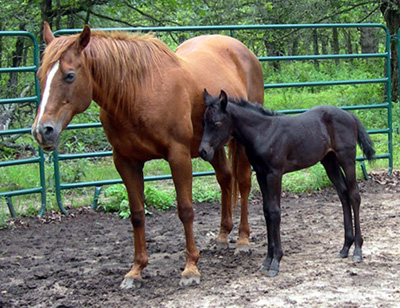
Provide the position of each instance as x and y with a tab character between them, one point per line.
70	77
217	124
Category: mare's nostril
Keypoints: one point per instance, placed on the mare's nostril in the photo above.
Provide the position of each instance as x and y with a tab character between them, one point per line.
48	131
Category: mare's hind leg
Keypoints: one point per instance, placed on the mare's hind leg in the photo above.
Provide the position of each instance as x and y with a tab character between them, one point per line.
224	177
243	178
338	179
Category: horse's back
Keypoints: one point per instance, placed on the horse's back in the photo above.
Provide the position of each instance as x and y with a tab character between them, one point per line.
223	62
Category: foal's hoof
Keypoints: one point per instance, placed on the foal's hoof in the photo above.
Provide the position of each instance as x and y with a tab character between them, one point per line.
357	258
264	268
131	283
271	272
189	280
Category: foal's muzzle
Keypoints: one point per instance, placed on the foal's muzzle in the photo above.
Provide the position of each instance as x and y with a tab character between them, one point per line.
206	152
47	135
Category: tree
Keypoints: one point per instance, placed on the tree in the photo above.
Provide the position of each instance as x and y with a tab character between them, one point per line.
391	13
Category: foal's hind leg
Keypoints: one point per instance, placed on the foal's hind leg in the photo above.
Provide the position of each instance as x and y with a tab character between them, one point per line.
348	166
339	181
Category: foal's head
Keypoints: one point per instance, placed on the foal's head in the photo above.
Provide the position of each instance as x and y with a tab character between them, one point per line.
217	125
65	83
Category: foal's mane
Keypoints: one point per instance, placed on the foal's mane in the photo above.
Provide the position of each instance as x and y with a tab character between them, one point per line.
120	62
257	108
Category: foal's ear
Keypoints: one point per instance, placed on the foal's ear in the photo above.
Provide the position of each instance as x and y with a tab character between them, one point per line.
84	38
207	97
48	36
223	98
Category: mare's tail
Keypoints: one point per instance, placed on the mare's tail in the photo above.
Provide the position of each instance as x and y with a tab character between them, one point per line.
364	141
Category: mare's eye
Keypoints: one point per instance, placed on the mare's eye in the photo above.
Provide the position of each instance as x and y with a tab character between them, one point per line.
217	124
70	77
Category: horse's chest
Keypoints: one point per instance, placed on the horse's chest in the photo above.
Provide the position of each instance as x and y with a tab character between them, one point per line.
134	141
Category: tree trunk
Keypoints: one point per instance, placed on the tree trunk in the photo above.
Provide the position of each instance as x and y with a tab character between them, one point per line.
315	47
335	43
390	11
368	40
47	15
349	42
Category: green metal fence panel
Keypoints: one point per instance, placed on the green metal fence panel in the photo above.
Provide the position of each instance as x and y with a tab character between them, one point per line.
232	29
39	159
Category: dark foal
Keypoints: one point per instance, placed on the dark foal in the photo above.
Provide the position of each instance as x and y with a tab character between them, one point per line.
276	145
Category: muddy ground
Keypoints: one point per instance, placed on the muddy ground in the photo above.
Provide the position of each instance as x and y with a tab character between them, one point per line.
80	259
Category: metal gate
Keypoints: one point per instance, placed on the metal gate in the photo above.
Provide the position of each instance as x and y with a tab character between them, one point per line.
233	31
39	159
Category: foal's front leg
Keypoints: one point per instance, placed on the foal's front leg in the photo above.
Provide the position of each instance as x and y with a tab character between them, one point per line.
271	186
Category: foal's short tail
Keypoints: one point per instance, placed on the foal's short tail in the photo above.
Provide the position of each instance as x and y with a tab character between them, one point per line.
364	141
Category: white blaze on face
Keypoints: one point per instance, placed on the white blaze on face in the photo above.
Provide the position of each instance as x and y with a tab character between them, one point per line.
46	93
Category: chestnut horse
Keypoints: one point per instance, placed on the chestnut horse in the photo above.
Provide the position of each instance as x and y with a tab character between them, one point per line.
276	145
152	106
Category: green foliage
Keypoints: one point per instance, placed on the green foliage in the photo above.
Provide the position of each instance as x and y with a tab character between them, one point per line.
311	179
205	190
116	200
157	198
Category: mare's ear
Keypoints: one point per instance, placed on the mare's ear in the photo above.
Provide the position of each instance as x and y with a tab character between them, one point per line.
207	97
84	38
223	98
48	36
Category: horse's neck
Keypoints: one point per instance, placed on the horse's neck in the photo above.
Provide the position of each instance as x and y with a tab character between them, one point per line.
119	78
246	123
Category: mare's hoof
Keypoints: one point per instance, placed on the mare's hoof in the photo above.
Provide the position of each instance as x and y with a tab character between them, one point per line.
343	255
131	283
189	280
221	245
357	258
242	249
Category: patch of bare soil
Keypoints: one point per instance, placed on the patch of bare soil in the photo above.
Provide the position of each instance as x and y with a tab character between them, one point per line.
79	260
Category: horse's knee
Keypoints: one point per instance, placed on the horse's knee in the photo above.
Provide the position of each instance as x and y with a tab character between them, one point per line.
185	212
272	214
137	218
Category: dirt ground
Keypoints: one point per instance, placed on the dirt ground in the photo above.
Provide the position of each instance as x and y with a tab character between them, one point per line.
79	260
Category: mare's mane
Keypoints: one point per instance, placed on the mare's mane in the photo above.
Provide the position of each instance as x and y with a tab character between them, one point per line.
121	63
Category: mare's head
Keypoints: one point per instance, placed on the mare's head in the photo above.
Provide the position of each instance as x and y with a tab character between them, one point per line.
65	84
217	125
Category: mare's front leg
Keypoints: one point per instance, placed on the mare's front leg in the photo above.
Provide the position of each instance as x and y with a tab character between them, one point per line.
132	175
270	186
179	159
